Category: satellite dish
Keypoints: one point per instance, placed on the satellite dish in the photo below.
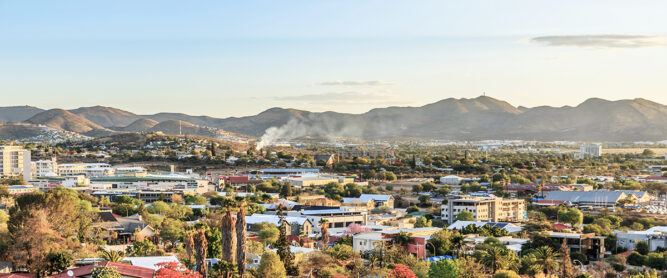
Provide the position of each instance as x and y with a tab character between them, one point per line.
70	273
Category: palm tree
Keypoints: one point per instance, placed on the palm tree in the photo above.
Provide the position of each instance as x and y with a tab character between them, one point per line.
241	238
324	227
546	260
494	258
112	255
228	231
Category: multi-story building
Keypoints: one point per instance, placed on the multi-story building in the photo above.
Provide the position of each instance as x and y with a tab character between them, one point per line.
15	161
588	244
491	209
45	168
86	169
654	237
593	150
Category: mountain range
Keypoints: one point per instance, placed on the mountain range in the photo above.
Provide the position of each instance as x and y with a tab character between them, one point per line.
449	119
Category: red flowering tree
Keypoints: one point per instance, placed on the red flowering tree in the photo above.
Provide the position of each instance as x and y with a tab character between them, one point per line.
174	270
402	271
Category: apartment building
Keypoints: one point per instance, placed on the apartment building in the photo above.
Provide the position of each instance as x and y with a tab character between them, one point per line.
489	208
44	168
86	169
15	161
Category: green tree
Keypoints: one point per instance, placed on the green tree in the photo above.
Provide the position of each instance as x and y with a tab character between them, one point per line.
105	272
572	216
506	274
642	247
422	222
444	269
494	258
465	216
283	246
112	255
546	260
56	262
271	266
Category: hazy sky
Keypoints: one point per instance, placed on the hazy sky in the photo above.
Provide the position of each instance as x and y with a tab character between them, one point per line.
235	58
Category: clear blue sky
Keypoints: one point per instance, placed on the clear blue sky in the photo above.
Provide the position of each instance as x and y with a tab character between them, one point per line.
235	58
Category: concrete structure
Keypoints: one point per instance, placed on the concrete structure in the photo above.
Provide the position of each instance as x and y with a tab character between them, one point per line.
595	198
586	151
44	168
451	180
377	200
15	162
86	169
298	225
490	208
655	238
590	245
338	218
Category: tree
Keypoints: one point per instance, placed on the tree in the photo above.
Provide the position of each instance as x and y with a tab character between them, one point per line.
444	269
283	246
494	258
171	230
105	272
636	259
412	209
241	238
33	243
465	216
572	216
648	153
197	245
506	274
545	260
642	247
422	222
390	176
286	190
566	270
56	262
141	248
269	233
324	227
112	255
402	239
271	266
229	243
402	271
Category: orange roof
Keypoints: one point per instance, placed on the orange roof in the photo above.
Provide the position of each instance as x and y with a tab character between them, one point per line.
17	275
123	269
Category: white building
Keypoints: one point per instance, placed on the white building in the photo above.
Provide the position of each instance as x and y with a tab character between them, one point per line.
654	238
488	208
87	169
451	180
45	168
15	161
593	150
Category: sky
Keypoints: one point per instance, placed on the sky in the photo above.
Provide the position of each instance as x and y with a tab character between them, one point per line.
238	58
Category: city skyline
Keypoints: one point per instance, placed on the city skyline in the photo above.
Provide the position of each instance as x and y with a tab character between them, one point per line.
238	59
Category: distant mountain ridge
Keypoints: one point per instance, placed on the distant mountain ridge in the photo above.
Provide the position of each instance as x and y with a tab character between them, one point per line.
449	119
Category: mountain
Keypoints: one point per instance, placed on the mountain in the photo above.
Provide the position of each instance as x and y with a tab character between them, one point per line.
449	119
18	113
106	116
140	125
184	128
65	120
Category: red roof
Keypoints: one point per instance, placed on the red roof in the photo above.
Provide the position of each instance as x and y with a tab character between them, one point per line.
559	226
17	275
123	269
626	253
655	178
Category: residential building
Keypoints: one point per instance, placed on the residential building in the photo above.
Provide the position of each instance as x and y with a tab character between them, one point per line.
487	208
367	241
298	225
380	200
509	227
337	217
588	244
451	180
15	162
586	151
655	239
45	168
85	169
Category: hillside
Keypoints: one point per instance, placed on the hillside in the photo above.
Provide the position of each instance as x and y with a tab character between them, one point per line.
18	113
65	120
140	125
106	116
449	119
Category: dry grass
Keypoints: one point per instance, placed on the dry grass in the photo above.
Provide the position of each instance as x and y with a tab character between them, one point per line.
658	151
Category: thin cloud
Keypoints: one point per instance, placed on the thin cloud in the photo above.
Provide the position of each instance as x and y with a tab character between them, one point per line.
604	41
346	98
371	83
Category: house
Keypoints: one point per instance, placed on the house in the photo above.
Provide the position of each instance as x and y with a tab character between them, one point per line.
150	261
380	200
319	201
338	218
451	180
125	270
117	229
359	203
326	160
298	225
367	241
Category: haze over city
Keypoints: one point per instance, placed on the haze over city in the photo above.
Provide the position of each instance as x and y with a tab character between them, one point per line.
221	58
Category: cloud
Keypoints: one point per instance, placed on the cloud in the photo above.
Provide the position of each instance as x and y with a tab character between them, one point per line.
603	41
346	98
371	83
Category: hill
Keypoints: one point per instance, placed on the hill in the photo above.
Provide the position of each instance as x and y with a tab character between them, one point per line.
176	127
106	116
140	125
18	113
65	120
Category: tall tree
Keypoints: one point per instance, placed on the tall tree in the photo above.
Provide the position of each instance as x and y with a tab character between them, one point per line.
271	266
494	258
229	237
33	243
566	269
200	251
283	246
241	238
324	228
545	260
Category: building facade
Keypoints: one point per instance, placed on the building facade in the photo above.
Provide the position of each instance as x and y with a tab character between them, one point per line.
15	162
490	209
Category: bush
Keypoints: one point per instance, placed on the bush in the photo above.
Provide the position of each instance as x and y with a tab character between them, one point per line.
636	259
506	274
